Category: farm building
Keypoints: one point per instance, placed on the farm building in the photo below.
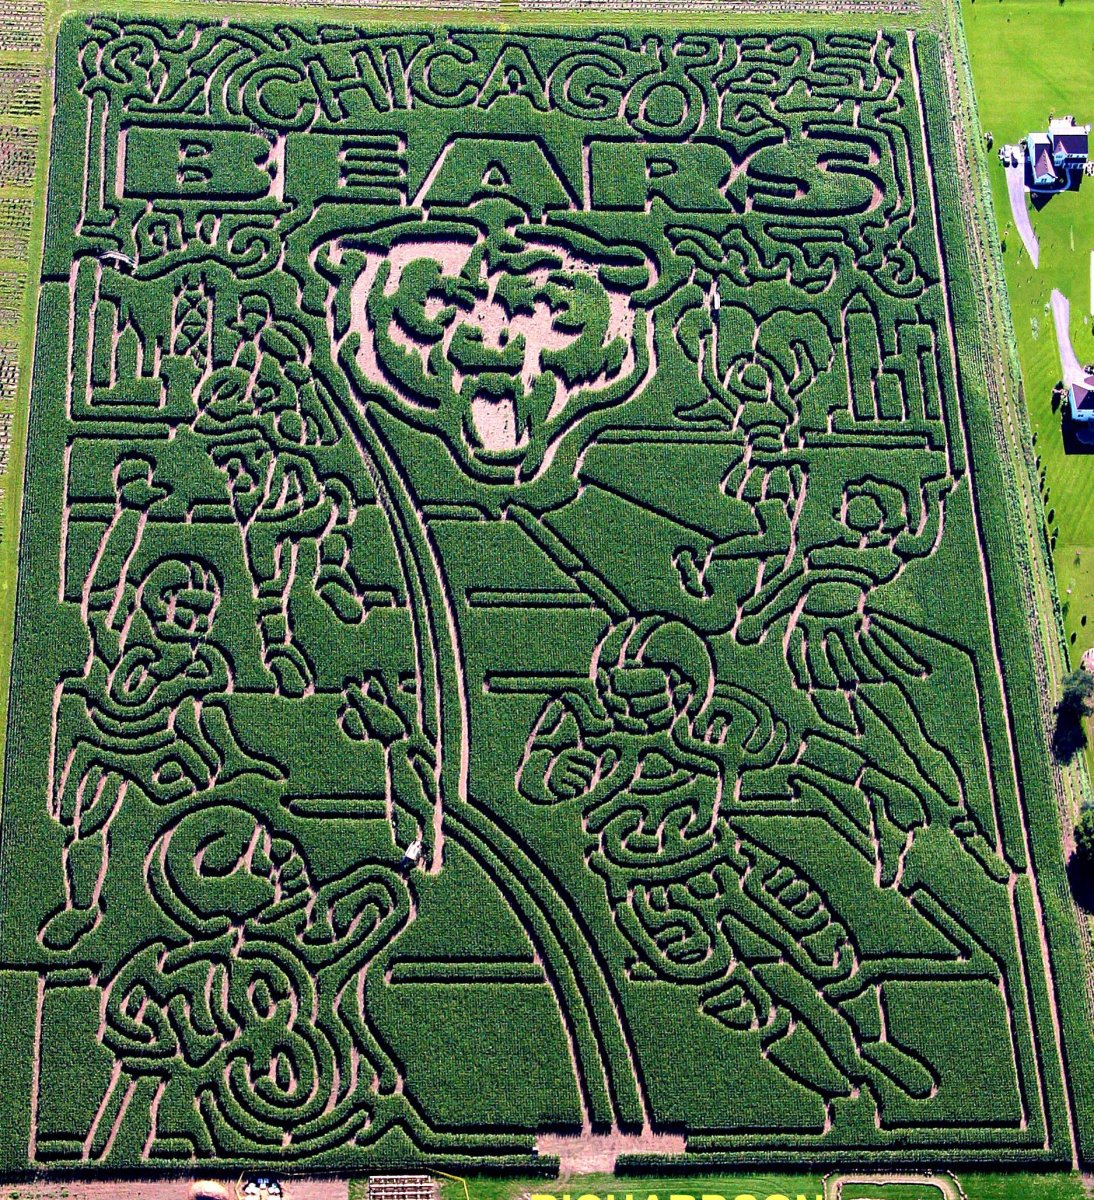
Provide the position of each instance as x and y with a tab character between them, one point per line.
1065	147
1080	397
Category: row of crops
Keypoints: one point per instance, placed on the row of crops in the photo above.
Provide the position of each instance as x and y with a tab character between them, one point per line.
516	626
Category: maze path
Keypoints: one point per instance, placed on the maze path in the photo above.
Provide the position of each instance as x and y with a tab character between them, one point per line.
501	507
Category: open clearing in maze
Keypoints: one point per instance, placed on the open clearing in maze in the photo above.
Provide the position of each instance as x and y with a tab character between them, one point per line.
552	451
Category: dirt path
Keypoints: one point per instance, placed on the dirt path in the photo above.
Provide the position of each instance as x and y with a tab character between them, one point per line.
1072	371
1001	373
595	1153
944	1187
303	1188
1015	450
1012	759
1016	186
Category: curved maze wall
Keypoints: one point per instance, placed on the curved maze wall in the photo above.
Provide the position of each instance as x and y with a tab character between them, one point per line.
546	449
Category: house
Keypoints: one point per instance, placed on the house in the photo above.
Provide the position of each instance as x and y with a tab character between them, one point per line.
1054	155
1080	398
1070	142
1042	165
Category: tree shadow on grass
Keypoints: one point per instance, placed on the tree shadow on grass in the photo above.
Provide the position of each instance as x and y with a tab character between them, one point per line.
1080	879
1068	737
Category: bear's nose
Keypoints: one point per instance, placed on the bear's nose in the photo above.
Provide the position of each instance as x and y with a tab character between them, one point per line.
470	353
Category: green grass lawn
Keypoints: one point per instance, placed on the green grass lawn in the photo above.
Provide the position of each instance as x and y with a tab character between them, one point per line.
976	1186
1023	1187
1023	56
640	1187
21	338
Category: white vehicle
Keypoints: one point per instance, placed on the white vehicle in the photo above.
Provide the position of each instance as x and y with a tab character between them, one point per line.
260	1188
209	1189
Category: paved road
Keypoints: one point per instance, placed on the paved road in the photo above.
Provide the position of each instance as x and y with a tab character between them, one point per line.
1016	186
1072	371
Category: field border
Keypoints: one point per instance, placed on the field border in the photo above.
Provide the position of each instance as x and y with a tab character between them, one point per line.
1069	785
1018	569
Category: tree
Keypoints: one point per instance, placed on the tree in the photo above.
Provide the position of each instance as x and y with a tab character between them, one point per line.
1077	697
1084	840
1076	703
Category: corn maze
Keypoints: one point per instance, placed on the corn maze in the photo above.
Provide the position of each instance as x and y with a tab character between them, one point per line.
515	634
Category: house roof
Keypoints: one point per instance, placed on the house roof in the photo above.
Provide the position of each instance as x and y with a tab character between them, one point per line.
1066	125
1039	151
1067	137
1043	166
1070	143
1082	398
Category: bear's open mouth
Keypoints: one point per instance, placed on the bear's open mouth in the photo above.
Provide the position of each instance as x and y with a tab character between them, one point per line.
494	421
